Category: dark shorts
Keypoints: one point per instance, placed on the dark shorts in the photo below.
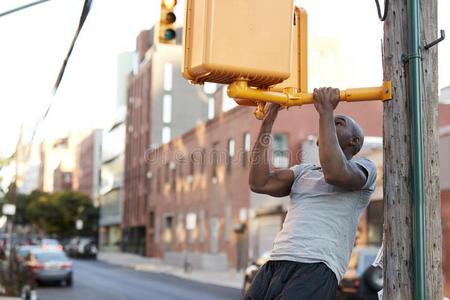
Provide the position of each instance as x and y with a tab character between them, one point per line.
286	280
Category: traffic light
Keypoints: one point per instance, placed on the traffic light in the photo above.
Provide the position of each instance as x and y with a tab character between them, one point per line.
167	30
230	39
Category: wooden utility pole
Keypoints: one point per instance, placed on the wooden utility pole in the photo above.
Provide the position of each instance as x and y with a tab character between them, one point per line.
399	263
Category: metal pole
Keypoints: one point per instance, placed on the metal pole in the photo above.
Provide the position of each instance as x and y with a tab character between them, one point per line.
10	232
417	148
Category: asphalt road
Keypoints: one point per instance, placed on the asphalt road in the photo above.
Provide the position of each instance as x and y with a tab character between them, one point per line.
95	280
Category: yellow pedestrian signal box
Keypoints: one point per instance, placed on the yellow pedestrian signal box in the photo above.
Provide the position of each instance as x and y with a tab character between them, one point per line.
299	55
259	48
225	40
167	33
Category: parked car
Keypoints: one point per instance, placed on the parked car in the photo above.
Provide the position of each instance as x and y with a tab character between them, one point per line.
50	266
83	247
250	271
361	281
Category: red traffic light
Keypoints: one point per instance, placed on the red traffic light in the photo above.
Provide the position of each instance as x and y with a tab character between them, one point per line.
170	18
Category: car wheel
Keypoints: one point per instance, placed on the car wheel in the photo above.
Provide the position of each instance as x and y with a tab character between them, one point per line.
69	281
340	296
373	277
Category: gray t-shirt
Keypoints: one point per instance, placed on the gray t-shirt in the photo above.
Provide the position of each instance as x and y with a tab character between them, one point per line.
322	219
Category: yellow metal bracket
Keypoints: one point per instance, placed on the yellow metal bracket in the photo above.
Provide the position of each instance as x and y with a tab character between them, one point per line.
250	96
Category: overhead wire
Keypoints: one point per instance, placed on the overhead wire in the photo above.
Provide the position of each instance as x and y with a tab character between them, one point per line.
84	13
386	6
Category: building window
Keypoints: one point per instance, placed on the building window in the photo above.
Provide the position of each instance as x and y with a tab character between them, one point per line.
228	220
167	109
168	77
211	108
227	102
165	134
209	88
375	222
168	227
158	181
201	237
215	160
181	167
166	172
151	219
192	165
280	153
230	154
173	178
247	145
203	161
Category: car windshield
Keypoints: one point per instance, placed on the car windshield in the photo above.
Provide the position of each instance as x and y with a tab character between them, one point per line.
23	252
50	242
51	256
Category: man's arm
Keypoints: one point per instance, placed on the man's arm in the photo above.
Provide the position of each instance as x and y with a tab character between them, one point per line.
261	179
337	169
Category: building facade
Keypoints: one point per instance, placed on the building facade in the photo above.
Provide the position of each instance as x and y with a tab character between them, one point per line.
199	207
58	153
113	165
161	105
62	179
112	190
89	165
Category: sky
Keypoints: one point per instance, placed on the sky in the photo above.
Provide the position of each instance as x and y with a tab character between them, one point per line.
34	43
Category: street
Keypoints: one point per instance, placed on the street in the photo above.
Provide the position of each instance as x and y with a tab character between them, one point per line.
95	280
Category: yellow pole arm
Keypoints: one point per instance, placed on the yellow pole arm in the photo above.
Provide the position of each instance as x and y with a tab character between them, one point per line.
249	96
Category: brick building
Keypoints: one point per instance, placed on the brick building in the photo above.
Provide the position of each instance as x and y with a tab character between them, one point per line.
89	164
62	180
444	156
201	178
157	111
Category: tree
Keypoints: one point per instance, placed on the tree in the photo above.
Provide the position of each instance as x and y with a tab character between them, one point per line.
57	213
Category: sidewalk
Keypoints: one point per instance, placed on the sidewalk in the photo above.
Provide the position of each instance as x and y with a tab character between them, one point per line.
231	278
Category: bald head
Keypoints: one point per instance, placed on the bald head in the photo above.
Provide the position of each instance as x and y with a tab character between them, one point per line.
354	133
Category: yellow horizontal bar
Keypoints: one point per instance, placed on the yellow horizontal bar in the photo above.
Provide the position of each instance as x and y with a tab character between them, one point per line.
245	95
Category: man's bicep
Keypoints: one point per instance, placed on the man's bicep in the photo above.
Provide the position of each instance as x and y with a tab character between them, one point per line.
353	178
280	182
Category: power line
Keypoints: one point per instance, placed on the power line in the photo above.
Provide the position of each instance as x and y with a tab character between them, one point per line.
22	7
84	14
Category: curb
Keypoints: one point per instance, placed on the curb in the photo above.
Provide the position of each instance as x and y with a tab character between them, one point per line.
230	282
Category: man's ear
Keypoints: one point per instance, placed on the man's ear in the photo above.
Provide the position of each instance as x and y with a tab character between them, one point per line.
354	141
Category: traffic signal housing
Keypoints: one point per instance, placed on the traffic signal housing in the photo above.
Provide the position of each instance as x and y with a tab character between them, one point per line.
299	55
259	49
225	40
167	29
